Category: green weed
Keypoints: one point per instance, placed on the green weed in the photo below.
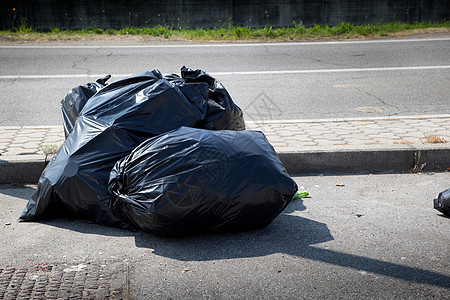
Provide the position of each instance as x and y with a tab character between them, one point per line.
229	31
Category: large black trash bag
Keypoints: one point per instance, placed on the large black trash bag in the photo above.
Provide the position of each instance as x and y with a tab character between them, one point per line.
112	123
76	99
189	181
222	113
442	202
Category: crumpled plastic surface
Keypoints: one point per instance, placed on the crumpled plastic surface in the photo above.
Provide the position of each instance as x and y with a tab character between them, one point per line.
112	122
222	114
189	181
76	99
442	202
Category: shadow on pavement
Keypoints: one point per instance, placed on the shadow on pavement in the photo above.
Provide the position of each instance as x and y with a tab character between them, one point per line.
288	234
85	226
17	190
443	216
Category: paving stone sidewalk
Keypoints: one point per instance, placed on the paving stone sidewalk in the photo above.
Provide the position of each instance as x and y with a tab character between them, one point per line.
357	133
415	132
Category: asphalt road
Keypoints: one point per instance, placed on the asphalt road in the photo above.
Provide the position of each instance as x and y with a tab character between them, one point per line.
372	237
268	80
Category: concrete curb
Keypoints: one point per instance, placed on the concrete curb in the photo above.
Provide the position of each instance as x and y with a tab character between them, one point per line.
364	162
28	168
21	168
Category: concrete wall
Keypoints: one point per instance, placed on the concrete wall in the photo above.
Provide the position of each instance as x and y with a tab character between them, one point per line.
47	14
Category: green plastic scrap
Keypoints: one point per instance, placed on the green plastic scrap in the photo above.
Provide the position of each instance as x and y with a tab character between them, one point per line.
299	194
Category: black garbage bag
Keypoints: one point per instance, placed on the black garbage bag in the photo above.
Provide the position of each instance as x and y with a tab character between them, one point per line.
76	99
112	123
189	181
442	202
222	112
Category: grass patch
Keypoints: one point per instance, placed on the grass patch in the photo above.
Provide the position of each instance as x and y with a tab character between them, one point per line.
232	32
49	150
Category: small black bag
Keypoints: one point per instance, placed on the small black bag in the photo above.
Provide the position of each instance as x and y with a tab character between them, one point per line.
442	202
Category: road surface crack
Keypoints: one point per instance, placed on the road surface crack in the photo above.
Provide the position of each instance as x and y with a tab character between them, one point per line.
13	82
107	55
383	102
334	64
318	60
75	65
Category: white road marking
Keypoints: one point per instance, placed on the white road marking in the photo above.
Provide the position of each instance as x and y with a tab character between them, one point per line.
219	45
242	73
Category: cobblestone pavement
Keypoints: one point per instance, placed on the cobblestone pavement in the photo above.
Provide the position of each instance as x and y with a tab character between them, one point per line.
109	280
356	134
29	140
285	136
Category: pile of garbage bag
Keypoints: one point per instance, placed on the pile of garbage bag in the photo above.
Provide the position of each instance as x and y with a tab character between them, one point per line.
107	125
